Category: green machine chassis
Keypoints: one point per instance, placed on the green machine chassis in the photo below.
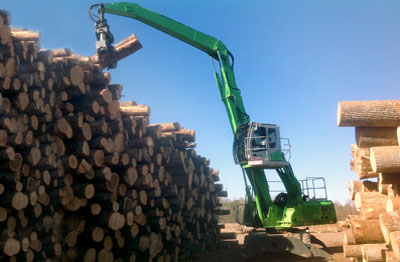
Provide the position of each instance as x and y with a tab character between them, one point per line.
260	210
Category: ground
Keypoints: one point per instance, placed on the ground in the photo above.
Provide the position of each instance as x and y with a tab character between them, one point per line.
330	235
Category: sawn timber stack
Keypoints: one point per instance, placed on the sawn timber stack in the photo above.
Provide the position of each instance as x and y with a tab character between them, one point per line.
375	233
85	177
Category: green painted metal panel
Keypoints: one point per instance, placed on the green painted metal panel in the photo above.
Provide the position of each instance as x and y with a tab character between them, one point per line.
276	156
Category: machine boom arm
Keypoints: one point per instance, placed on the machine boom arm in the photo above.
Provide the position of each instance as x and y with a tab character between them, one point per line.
268	213
229	92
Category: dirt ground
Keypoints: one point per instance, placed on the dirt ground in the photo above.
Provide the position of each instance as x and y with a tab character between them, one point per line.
330	235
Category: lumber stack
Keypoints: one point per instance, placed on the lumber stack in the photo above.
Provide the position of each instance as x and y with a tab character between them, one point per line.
375	232
85	177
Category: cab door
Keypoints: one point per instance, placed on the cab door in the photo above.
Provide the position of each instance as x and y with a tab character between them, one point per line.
274	145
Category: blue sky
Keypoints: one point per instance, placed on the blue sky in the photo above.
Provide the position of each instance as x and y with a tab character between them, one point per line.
294	61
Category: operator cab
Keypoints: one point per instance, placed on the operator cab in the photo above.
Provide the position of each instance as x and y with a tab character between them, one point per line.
259	144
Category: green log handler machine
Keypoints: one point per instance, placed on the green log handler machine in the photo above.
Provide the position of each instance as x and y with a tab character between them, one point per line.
257	146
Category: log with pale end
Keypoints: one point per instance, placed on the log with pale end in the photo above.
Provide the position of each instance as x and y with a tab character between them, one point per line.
385	159
370	204
389	256
122	49
373	252
139	110
389	222
393	204
348	238
82	177
361	162
366	231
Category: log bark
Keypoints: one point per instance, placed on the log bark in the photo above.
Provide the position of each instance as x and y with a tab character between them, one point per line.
389	178
392	204
383	113
170	127
84	180
395	243
348	238
352	251
389	256
361	186
366	231
361	163
25	35
373	252
385	159
370	204
376	136
139	110
186	135
389	222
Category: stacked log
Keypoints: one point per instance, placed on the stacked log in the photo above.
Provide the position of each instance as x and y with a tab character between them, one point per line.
85	177
375	232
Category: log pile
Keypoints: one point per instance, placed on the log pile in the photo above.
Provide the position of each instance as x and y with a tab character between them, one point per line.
375	232
85	177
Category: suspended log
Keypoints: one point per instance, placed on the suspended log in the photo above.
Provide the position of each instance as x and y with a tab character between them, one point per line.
122	49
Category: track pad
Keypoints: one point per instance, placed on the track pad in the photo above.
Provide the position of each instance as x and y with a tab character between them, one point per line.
260	242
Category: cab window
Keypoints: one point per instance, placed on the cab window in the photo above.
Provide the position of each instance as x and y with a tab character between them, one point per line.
259	138
272	139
